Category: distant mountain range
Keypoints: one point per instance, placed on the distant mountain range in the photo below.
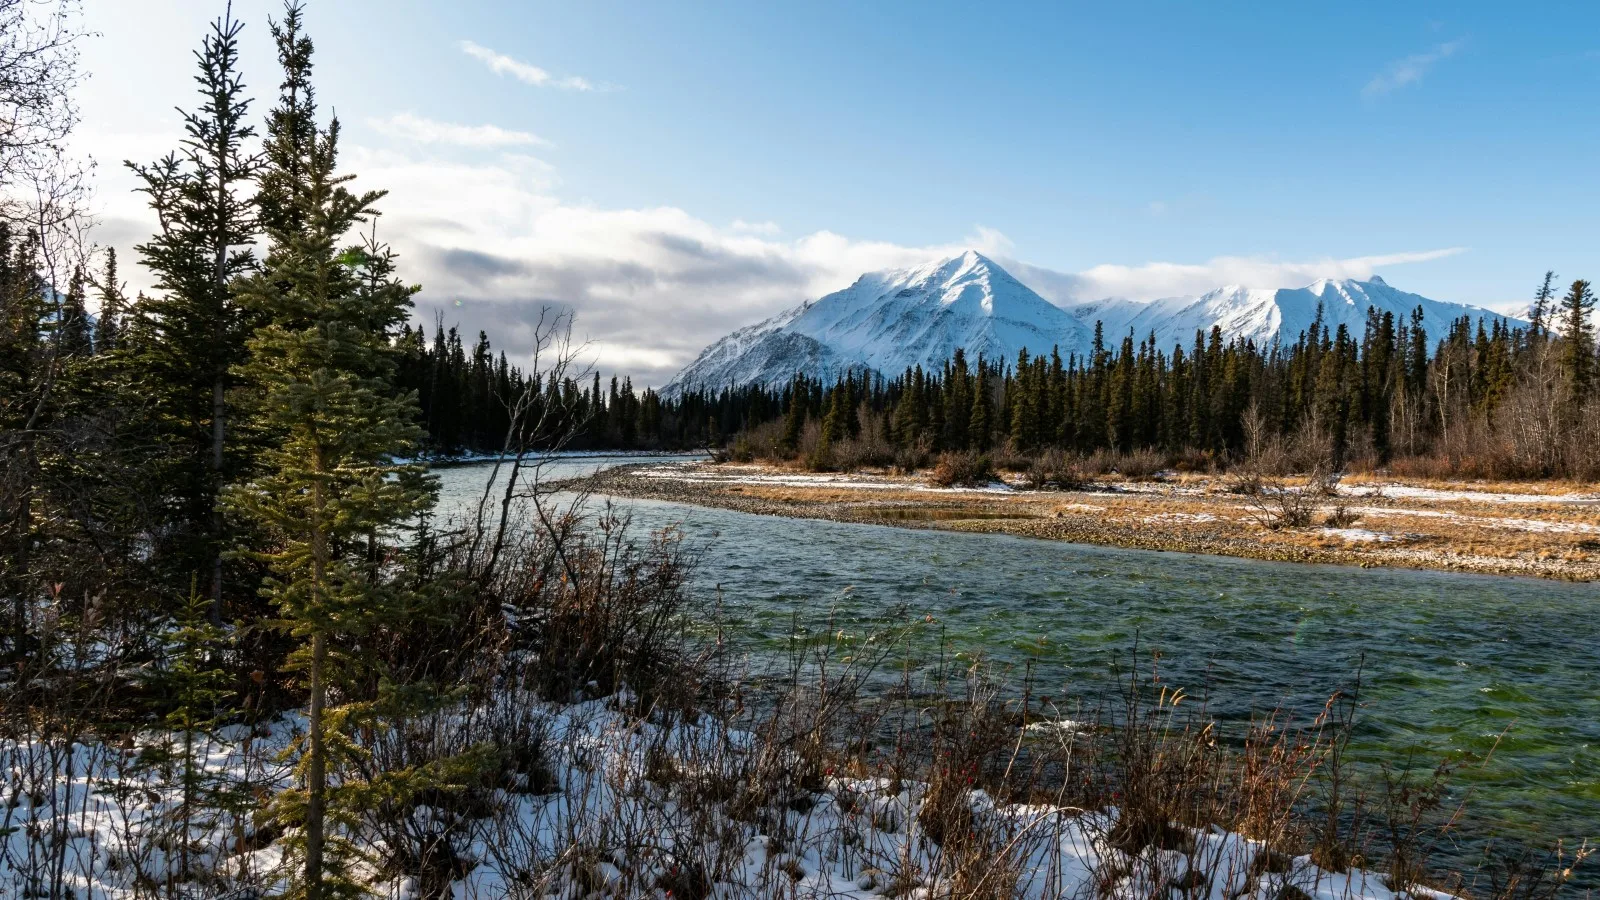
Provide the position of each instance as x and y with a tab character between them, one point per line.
889	321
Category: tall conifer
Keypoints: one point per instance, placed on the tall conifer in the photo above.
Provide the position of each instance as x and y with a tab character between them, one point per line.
198	329
331	495
1577	337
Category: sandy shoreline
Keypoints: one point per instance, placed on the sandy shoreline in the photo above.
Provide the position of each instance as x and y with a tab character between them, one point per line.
1523	530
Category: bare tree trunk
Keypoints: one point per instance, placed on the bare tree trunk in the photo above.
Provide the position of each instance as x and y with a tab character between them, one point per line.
218	429
219	409
316	771
317	764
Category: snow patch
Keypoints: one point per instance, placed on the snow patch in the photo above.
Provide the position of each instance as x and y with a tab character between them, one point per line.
1360	535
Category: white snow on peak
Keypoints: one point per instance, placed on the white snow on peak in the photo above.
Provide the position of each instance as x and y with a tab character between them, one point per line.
1266	315
892	320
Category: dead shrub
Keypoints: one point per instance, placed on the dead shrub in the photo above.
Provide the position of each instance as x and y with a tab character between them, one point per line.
908	460
1140	465
1005	457
1341	516
961	470
1052	470
1272	504
598	606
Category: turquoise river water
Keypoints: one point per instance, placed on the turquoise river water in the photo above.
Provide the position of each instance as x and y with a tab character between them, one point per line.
1452	665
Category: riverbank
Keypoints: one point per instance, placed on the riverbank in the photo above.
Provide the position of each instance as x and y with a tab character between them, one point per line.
1544	531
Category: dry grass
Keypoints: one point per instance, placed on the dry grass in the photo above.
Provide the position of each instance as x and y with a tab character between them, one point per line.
1208	513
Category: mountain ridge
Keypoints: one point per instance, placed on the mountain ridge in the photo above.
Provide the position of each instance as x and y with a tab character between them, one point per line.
891	320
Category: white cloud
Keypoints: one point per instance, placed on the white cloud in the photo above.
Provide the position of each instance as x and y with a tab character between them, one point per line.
1409	70
492	245
528	73
651	287
410	127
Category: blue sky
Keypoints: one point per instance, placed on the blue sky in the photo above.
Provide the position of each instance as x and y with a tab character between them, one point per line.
673	170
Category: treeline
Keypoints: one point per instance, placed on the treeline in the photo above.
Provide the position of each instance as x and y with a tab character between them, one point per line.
469	398
1485	399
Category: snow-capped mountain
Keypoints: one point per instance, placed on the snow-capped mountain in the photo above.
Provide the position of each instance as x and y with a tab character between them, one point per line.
1265	314
888	321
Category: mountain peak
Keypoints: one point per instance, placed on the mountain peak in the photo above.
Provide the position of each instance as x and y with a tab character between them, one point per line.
887	322
950	268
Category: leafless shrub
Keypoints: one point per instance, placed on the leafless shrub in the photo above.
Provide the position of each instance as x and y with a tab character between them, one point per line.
908	460
1005	457
1341	516
961	470
1273	504
1416	818
1524	874
1141	465
1052	470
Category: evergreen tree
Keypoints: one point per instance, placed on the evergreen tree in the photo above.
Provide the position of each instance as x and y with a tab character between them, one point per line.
1577	338
26	361
77	339
980	423
1539	313
795	417
109	325
291	126
190	690
198	329
1017	397
331	494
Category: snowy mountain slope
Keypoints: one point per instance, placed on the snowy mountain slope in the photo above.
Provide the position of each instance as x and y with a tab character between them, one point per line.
888	321
1265	315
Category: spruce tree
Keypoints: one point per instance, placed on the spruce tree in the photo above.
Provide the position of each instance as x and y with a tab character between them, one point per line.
1539	313
331	494
109	325
1577	338
981	420
198	329
26	360
795	418
77	339
188	686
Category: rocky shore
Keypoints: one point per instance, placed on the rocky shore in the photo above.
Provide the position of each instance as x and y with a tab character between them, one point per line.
1449	535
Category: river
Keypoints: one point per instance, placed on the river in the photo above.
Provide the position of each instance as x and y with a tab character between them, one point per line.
1451	665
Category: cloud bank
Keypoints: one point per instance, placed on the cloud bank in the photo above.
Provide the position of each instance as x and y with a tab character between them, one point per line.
651	287
480	227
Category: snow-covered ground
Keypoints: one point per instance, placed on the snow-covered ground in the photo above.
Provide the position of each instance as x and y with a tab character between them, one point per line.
1360	535
623	809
